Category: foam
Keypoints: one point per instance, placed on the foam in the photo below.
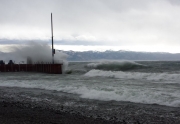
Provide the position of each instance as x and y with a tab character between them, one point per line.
148	88
123	94
170	78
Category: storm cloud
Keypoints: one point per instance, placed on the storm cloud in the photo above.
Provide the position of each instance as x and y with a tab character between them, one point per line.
93	22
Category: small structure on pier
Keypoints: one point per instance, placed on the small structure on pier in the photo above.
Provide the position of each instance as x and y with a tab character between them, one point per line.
2	62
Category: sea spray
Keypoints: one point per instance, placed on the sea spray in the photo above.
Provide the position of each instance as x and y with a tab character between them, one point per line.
38	52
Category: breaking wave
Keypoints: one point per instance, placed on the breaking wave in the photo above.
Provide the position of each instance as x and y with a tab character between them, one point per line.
104	91
171	78
115	65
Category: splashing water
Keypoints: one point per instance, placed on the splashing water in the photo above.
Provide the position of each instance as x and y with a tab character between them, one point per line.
38	52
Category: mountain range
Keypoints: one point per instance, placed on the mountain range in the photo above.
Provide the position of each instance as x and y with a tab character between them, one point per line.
120	55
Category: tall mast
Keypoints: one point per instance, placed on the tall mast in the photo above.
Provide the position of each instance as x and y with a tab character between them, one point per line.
52	40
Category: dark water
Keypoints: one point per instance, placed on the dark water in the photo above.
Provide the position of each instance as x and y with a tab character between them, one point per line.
159	66
131	66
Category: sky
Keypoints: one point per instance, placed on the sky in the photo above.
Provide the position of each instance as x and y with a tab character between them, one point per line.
81	25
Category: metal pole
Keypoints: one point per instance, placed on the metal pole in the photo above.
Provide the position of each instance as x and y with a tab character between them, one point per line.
52	40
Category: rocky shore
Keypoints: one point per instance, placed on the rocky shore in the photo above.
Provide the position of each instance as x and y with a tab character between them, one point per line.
35	106
20	113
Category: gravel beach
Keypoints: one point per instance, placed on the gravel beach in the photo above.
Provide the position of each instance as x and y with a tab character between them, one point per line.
35	106
19	113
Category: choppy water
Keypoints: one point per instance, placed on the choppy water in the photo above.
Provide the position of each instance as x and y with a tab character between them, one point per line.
139	82
137	92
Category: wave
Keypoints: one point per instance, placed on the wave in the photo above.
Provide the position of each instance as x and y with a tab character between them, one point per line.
75	71
147	88
115	65
129	94
106	93
170	78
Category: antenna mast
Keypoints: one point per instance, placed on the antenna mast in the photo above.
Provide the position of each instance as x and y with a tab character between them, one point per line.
53	51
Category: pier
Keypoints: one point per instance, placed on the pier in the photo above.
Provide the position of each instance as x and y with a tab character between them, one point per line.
42	68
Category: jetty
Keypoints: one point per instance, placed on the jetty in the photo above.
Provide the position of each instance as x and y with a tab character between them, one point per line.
36	67
43	67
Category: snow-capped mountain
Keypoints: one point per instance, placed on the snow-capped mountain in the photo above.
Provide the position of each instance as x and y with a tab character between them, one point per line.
120	55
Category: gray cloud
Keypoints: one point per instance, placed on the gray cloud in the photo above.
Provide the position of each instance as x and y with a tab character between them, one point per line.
108	22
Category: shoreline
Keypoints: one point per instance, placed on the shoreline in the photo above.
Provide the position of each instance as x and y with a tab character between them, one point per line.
18	112
23	105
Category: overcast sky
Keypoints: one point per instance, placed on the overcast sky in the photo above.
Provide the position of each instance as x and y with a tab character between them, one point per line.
138	25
